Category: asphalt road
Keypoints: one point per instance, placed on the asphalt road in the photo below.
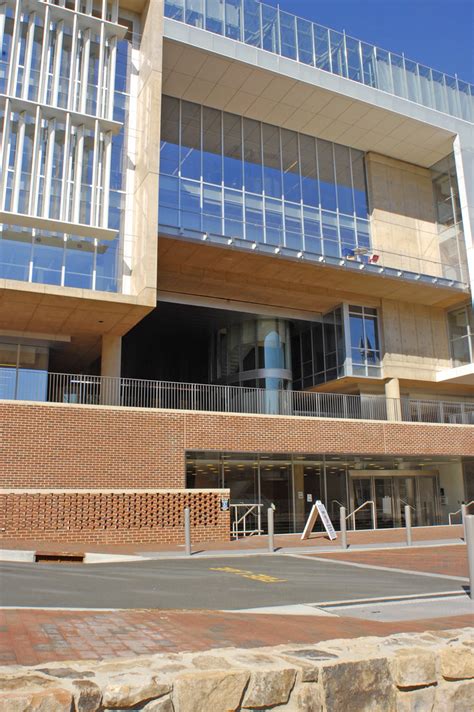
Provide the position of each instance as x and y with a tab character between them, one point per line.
215	583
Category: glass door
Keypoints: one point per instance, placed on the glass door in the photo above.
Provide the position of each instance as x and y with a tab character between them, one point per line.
276	490
426	506
405	494
384	509
361	492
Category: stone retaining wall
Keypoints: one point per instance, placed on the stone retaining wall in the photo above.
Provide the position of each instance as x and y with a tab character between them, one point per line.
422	673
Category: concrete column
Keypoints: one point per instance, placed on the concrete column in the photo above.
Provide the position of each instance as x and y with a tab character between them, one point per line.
392	394
110	368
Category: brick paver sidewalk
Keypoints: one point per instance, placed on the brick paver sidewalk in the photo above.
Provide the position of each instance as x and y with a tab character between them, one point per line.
31	637
317	539
448	560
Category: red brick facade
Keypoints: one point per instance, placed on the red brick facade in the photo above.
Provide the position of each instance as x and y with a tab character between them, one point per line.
66	446
113	517
55	446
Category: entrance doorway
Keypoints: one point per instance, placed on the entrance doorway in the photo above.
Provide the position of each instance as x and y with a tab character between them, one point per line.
391	491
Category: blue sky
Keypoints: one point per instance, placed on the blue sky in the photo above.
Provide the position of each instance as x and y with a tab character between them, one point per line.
438	33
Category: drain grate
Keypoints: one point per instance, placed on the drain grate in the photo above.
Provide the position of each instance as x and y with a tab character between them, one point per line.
58	557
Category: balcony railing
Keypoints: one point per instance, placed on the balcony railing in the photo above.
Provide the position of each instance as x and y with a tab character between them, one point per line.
137	393
269	28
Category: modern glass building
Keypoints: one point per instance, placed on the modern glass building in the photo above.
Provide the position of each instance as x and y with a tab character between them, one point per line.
220	214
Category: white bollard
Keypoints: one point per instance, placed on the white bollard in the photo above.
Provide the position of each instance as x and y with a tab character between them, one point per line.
271	530
343	526
408	524
469	529
187	531
463	519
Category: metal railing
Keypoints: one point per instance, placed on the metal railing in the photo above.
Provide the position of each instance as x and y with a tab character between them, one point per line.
458	511
282	33
240	526
354	512
137	393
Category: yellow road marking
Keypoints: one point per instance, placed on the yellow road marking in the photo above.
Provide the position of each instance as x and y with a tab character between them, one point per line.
263	578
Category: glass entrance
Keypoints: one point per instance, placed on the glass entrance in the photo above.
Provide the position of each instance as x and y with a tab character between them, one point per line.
361	493
405	494
426	506
391	493
275	490
384	502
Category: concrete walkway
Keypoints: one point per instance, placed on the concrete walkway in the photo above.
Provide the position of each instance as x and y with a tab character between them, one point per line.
317	543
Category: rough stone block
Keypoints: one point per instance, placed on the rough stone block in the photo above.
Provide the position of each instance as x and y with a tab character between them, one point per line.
130	690
217	691
308	698
455	697
159	706
413	667
87	696
50	700
358	686
457	662
421	700
268	688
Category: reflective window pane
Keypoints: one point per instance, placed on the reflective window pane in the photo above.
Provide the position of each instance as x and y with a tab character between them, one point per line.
327	180
338	53
253	176
195	13
305	41
252	23
212	145
270	33
233	19
288	35
271	161
233	166
290	165
215	16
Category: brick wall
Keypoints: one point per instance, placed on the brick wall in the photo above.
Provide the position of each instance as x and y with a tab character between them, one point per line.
66	446
113	517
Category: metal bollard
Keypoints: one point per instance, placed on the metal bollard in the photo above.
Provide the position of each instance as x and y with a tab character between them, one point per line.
342	517
469	529
187	531
271	530
408	524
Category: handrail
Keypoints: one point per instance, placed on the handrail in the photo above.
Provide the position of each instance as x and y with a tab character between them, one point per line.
407	503
452	514
243	519
352	514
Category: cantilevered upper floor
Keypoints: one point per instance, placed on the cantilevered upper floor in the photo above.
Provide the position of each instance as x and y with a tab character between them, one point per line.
269	28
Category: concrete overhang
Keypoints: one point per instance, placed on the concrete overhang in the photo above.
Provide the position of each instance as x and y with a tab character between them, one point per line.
462	375
199	269
216	71
76	319
133	5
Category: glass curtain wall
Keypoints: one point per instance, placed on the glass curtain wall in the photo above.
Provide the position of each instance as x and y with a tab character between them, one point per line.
452	245
461	335
282	33
23	371
292	484
242	179
345	343
54	164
